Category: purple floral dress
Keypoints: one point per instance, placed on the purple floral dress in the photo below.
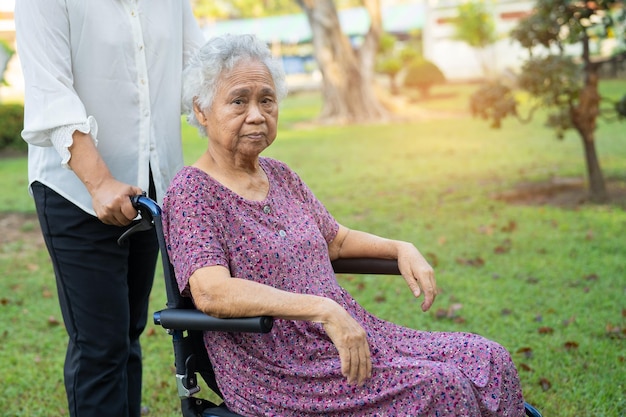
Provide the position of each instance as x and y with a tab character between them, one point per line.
295	370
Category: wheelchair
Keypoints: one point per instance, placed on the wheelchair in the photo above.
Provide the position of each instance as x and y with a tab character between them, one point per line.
186	325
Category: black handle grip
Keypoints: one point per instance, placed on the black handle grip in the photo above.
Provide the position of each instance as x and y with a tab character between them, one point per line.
183	319
370	266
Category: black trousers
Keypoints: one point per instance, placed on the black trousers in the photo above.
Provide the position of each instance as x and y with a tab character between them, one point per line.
103	291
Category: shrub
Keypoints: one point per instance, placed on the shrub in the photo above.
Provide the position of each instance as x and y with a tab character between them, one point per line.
11	123
422	75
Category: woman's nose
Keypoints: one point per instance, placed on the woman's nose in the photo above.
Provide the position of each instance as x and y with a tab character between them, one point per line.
255	115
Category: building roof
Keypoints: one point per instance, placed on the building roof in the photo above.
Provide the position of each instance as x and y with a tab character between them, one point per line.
294	28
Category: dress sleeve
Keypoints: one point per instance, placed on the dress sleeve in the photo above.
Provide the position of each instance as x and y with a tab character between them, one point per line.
193	235
43	39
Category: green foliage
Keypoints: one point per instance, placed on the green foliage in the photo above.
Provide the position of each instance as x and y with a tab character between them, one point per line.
493	101
422	74
391	60
556	80
389	65
11	124
475	25
559	22
6	52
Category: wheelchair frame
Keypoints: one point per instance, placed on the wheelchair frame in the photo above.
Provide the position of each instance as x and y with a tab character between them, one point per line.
185	324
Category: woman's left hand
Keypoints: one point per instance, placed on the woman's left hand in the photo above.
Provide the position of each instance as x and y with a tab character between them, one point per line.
417	273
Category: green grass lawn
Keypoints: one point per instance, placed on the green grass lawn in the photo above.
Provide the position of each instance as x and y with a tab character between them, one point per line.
547	283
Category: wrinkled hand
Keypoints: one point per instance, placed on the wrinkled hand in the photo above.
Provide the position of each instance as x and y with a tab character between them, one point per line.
111	202
418	274
350	340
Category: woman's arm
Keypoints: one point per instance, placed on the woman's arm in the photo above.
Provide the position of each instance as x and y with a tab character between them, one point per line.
415	270
110	198
218	294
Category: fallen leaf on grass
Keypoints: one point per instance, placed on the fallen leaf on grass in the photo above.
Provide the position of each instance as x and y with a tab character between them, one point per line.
545	384
526	351
509	227
525	367
615	332
545	330
450	313
52	321
504	247
477	261
532	280
570	345
380	297
433	259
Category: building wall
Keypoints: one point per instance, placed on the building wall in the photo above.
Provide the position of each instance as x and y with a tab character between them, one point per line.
457	59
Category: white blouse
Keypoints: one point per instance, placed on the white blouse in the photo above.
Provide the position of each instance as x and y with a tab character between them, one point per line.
112	68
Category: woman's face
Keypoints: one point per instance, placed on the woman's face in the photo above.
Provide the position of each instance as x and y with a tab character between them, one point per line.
244	115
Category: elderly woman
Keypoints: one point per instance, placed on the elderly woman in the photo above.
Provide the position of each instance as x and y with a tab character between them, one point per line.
247	238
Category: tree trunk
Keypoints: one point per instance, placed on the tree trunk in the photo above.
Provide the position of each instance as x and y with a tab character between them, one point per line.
584	118
597	186
347	88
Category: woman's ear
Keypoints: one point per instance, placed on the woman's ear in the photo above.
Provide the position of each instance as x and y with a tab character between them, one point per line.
199	113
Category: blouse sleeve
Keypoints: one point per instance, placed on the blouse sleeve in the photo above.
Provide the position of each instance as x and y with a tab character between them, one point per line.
62	138
43	38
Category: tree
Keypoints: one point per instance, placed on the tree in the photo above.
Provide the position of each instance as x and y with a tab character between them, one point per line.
476	27
565	86
347	73
392	61
422	75
388	62
5	56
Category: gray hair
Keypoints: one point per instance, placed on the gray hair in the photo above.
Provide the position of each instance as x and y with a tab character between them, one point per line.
220	54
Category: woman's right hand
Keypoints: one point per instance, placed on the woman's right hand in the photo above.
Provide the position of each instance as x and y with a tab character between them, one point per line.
111	202
350	339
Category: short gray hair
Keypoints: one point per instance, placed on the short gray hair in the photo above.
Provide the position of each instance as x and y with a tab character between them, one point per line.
220	54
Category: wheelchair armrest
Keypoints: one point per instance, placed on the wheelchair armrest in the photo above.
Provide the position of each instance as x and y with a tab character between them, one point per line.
188	319
372	266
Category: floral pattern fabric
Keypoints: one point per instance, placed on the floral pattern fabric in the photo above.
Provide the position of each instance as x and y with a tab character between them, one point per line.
295	369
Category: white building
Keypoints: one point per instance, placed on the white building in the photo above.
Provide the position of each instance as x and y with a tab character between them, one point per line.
456	59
